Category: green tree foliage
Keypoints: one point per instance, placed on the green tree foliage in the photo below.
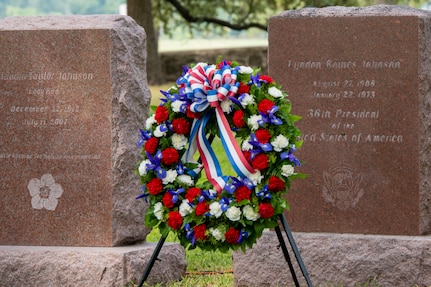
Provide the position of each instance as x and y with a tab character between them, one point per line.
224	15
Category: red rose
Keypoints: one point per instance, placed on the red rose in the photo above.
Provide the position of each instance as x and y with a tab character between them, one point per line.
199	231
167	200
155	186
169	156
161	115
181	126
242	193
238	119
232	236
263	135
275	184
192	115
151	145
265	105
192	193
266	210
243	88
247	155
202	208
175	220
266	79
260	161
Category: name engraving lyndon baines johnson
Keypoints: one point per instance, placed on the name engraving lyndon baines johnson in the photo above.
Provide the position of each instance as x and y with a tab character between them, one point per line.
356	89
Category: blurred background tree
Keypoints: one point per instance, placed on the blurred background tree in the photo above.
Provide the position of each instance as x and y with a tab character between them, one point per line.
212	17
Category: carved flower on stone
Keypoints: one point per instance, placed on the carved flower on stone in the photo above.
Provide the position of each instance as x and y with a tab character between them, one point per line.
45	192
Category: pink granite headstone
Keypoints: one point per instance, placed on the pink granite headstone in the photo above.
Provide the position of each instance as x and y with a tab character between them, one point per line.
73	95
360	78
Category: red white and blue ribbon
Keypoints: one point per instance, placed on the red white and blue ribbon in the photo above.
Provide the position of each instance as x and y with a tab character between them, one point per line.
207	86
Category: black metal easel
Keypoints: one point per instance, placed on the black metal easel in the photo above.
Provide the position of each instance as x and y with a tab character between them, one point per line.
283	246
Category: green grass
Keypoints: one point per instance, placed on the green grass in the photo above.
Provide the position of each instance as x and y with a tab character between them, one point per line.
204	269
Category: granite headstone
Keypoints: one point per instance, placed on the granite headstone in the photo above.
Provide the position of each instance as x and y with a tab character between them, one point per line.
73	95
360	79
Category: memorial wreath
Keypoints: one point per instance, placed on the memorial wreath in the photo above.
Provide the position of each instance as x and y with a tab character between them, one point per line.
251	116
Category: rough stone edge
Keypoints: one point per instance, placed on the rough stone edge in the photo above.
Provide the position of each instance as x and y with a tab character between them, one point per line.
130	103
56	22
50	266
341	11
424	35
334	259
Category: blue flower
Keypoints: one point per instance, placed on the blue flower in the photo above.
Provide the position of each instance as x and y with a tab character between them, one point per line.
264	193
155	164
175	194
144	136
190	234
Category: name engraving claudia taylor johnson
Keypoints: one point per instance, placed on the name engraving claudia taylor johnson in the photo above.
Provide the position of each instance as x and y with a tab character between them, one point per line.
46	76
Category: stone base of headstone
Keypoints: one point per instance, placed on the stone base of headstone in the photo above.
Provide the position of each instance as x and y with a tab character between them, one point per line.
89	266
338	260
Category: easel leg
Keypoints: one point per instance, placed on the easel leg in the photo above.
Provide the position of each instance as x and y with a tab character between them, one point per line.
152	260
295	249
286	255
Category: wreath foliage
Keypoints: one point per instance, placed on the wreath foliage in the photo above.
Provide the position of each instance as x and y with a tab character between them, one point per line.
250	116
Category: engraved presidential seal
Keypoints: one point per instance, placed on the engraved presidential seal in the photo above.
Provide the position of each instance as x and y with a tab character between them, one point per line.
342	186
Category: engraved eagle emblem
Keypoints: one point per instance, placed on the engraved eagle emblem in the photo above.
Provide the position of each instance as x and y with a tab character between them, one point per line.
341	187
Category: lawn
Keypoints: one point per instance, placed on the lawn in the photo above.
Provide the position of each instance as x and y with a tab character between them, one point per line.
204	269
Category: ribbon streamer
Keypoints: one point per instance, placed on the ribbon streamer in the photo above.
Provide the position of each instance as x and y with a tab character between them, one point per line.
207	86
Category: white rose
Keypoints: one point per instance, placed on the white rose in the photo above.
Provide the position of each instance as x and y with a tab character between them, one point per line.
276	93
245	70
253	122
185	208
256	177
143	167
246	145
250	214
215	209
246	99
279	143
158	210
176	106
287	170
171	175
158	133
218	233
178	141
233	213
150	121
186	179
226	106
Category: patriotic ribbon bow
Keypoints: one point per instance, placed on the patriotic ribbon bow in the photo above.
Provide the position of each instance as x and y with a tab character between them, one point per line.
207	86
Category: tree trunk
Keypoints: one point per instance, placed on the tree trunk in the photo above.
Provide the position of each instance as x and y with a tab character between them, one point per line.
140	11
